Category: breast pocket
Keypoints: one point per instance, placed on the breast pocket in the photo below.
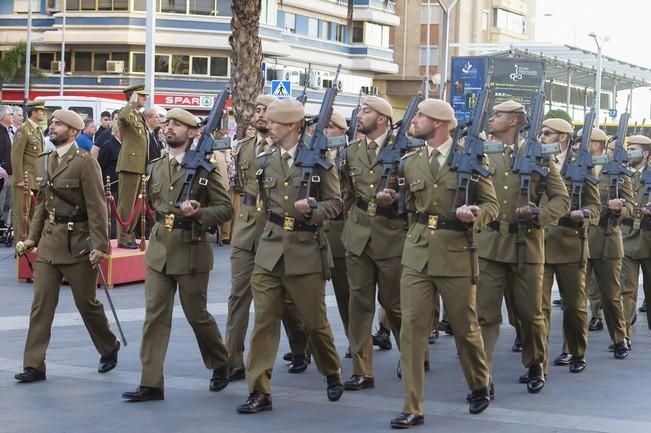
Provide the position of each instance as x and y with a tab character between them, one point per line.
269	183
416	185
67	183
155	189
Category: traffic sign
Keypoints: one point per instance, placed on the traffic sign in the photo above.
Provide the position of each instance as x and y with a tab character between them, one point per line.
612	112
281	88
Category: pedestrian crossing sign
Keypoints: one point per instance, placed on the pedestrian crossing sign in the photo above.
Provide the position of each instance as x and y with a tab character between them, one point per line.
281	88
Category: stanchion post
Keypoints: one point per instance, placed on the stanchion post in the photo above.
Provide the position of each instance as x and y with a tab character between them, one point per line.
143	212
108	196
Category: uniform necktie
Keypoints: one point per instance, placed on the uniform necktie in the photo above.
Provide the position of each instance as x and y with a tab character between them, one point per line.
174	162
371	150
286	157
55	162
434	161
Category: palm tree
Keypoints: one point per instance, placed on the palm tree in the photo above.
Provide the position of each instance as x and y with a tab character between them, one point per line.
246	57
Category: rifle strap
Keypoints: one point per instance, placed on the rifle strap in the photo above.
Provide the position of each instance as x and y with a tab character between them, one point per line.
259	174
402	185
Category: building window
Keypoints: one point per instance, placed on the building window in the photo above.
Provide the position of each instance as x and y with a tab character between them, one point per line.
199	65
358	32
484	20
290	22
203	7
140	5
433	55
99	61
45	60
162	63
138	63
173	6
312	27
219	67
323	29
509	21
181	65
340	33
123	57
83	61
430	14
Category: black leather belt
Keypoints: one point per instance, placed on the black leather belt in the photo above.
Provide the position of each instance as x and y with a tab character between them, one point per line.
435	222
570	223
604	220
290	224
172	221
249	199
372	209
54	218
512	227
644	223
339	217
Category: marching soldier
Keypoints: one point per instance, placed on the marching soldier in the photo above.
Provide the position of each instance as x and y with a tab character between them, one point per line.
607	248
180	255
71	210
436	258
25	150
566	253
637	233
132	161
247	229
293	258
373	236
511	255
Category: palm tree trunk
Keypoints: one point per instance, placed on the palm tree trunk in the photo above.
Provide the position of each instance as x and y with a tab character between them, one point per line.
246	60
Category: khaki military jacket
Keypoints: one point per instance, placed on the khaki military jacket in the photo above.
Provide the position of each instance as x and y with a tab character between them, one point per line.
441	252
78	179
379	236
609	245
134	134
563	244
637	241
25	151
303	252
249	223
500	245
178	251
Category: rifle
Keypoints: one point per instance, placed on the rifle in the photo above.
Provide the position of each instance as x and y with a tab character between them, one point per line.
526	164
468	163
578	169
352	131
390	155
314	155
303	98
200	156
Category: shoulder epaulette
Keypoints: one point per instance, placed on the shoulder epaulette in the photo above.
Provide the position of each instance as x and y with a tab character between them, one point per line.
410	154
83	153
46	153
156	159
267	152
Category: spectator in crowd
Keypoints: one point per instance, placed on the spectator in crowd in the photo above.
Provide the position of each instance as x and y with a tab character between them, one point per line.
105	123
221	160
107	160
6	121
104	136
85	137
19	118
153	123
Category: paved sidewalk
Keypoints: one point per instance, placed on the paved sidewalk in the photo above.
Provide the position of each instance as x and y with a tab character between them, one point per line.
610	396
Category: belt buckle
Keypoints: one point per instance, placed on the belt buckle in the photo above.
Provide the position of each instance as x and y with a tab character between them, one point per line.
71	226
432	222
637	223
371	210
51	217
288	224
169	222
504	227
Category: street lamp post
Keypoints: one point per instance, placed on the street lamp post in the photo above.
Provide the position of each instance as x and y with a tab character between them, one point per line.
28	55
600	41
62	63
446	6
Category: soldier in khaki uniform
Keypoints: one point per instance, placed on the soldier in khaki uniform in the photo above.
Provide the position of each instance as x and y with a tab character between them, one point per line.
180	255
293	258
70	211
511	249
436	259
607	248
247	228
25	150
373	237
636	231
566	254
132	160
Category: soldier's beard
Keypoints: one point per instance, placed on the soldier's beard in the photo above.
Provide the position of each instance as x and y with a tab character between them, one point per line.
262	130
59	139
174	144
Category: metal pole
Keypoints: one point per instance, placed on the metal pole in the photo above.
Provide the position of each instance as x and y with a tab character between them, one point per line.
598	84
427	54
150	51
445	45
568	96
28	55
63	49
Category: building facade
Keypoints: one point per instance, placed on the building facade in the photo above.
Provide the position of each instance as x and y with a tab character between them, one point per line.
105	47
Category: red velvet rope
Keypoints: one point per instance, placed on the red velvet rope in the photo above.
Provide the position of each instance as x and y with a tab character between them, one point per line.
134	213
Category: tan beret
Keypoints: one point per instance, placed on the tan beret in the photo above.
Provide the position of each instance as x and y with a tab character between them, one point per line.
185	117
37	104
438	110
379	104
70	118
598	135
285	111
509	107
339	121
559	125
137	88
639	139
264	100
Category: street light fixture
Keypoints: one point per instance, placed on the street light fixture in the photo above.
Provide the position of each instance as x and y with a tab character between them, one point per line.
600	41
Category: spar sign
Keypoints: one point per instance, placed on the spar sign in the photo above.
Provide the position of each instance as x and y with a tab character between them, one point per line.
187	101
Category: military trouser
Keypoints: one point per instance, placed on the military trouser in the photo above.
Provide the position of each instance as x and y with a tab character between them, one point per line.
128	189
307	292
366	274
341	289
630	281
607	274
18	211
525	294
418	296
594	297
436	315
160	289
239	304
83	285
571	286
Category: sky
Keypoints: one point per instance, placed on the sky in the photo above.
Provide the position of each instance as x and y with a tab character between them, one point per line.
625	22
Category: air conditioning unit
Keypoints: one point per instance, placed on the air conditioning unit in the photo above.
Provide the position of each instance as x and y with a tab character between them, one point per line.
315	79
53	6
115	66
327	83
370	90
55	66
